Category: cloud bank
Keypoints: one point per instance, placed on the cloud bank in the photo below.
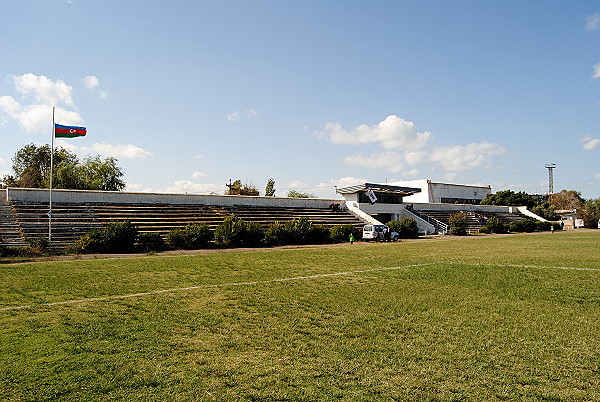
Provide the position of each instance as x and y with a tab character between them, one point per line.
400	147
43	93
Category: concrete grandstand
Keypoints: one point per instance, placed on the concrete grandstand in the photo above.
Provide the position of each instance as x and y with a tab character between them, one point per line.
24	212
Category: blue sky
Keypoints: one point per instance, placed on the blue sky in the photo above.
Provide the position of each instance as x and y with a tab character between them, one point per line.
189	94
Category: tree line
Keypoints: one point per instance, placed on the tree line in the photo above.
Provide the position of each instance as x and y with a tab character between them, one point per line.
31	169
547	207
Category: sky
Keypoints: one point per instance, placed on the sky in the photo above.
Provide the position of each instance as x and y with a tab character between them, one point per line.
187	95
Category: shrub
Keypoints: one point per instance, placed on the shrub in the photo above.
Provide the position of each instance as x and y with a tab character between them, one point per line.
234	232
524	225
13	251
516	226
322	235
193	236
297	231
458	224
407	228
115	237
37	246
548	225
150	241
341	233
176	238
495	225
278	234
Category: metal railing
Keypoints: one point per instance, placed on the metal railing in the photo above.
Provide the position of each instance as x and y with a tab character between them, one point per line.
439	225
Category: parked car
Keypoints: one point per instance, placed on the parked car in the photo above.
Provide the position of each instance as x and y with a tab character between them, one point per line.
375	232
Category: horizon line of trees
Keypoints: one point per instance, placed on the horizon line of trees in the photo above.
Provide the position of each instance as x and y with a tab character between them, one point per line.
546	208
31	169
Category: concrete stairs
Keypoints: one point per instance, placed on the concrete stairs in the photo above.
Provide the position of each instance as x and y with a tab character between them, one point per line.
10	234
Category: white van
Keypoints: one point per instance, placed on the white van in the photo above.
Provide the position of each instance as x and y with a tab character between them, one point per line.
375	232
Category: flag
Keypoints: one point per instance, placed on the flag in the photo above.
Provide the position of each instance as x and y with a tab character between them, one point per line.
371	196
61	131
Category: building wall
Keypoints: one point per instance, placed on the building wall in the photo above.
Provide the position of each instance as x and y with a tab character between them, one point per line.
119	197
432	192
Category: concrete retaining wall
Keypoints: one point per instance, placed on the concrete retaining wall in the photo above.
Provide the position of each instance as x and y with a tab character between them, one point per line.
118	197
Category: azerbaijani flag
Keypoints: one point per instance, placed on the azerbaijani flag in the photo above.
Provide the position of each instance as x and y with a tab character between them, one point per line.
61	131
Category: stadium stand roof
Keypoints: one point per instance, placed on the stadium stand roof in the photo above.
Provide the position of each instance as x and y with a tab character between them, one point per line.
380	188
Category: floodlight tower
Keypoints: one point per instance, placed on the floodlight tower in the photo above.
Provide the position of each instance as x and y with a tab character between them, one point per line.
550	167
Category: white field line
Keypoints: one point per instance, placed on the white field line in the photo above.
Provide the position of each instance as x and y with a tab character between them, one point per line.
521	266
296	278
156	292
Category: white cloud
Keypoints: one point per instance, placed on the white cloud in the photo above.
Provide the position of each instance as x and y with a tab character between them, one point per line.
37	116
179	186
596	71
457	158
592	22
391	133
402	145
91	81
590	143
186	186
597	175
449	177
295	184
392	161
44	90
246	114
198	175
128	151
199	156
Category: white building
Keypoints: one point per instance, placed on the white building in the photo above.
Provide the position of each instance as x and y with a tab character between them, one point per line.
432	192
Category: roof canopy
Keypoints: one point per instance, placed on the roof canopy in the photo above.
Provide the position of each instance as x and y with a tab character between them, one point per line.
379	188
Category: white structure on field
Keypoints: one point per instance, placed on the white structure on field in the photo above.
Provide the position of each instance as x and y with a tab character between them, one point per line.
444	193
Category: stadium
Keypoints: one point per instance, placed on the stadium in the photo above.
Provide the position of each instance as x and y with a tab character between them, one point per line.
24	213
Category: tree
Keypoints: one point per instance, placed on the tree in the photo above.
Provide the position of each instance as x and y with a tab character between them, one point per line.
299	194
458	224
510	198
31	169
270	189
567	200
591	213
236	188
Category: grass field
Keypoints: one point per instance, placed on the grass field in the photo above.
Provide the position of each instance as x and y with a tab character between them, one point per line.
477	318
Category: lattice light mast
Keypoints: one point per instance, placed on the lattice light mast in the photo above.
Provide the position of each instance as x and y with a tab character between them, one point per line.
550	167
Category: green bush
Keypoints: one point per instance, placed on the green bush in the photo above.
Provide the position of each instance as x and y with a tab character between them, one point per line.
38	246
523	225
546	226
321	235
516	226
13	251
458	224
150	241
406	228
234	232
176	238
192	237
495	225
115	237
341	233
297	231
278	234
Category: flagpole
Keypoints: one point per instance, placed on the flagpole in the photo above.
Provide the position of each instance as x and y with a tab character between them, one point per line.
51	174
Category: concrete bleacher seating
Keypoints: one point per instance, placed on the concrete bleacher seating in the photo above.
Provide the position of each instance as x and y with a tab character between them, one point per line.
475	220
70	221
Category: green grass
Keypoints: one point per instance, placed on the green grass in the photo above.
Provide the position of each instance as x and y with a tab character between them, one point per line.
471	325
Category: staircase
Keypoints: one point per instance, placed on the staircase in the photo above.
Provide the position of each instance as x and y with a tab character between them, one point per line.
10	235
